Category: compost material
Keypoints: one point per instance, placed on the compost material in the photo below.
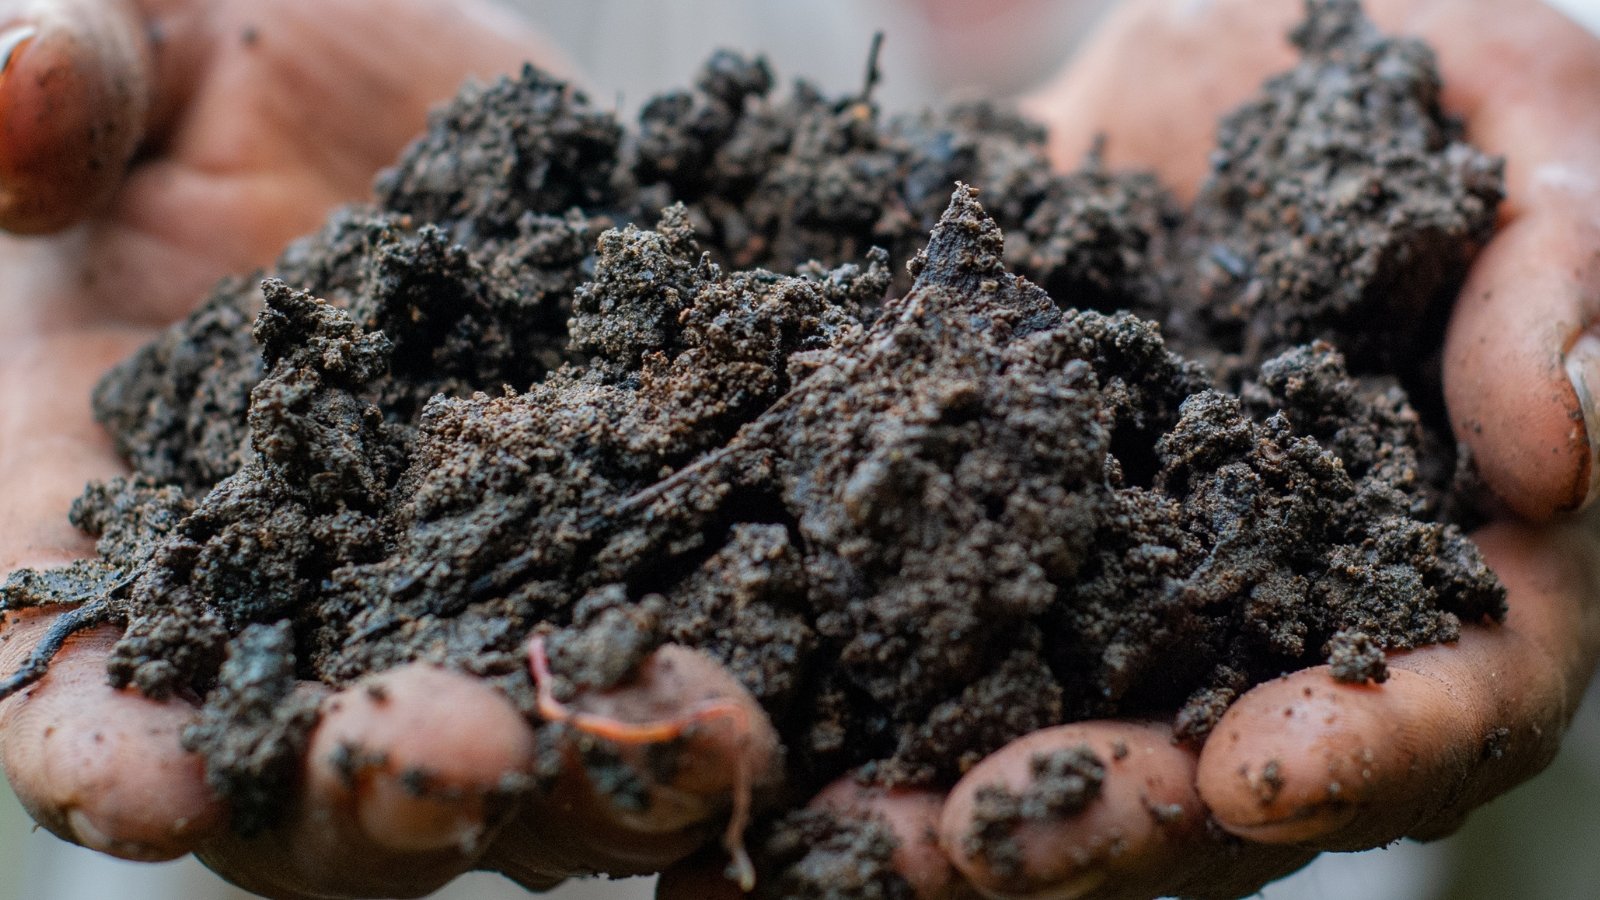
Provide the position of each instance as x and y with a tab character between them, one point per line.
925	473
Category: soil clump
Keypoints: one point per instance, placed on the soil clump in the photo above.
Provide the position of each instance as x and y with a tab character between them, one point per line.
1083	454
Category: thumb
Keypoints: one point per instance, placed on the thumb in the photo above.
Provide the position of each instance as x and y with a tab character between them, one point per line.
85	85
75	97
196	137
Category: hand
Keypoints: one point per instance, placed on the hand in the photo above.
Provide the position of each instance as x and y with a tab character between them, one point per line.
254	119
1305	764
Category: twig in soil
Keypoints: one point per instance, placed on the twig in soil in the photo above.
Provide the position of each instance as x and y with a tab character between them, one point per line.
65	626
874	74
659	732
705	463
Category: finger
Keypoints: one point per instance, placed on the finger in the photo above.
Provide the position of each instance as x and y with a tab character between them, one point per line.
1019	826
408	776
1522	364
100	767
74	100
912	817
1522	360
619	804
1155	78
97	766
1305	759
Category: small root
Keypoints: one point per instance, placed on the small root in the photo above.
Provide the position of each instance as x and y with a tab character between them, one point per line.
607	728
65	626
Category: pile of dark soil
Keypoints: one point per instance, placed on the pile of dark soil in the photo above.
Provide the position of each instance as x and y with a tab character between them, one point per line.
917	515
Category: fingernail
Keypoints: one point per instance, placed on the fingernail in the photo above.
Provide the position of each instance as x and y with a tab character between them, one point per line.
85	831
89	835
1583	369
11	40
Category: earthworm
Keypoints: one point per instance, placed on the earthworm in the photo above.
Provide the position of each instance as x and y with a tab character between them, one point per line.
658	732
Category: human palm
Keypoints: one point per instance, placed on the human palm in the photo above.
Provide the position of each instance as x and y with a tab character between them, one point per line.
261	116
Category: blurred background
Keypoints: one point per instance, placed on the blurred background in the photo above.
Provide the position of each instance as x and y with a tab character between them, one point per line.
1537	843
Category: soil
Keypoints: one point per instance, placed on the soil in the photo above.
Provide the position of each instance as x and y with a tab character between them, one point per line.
1084	454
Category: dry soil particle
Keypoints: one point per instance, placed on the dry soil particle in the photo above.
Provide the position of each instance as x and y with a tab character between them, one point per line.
255	732
1064	783
916	517
816	853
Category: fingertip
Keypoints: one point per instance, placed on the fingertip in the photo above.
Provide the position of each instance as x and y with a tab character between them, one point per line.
1308	760
729	755
913	818
404	780
1521	368
104	768
1011	828
1305	759
74	100
420	752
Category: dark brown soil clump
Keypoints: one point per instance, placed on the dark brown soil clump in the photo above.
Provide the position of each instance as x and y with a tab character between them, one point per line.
920	503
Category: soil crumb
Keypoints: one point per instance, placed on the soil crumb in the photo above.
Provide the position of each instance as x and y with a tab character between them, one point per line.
926	474
816	853
1062	785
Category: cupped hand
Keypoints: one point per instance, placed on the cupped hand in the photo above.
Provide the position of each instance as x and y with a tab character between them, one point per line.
151	147
1305	764
258	117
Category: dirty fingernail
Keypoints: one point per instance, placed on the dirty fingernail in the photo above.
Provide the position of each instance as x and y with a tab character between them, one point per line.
11	41
1583	368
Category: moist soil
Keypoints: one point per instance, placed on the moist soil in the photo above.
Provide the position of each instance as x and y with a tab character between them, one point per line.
925	473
